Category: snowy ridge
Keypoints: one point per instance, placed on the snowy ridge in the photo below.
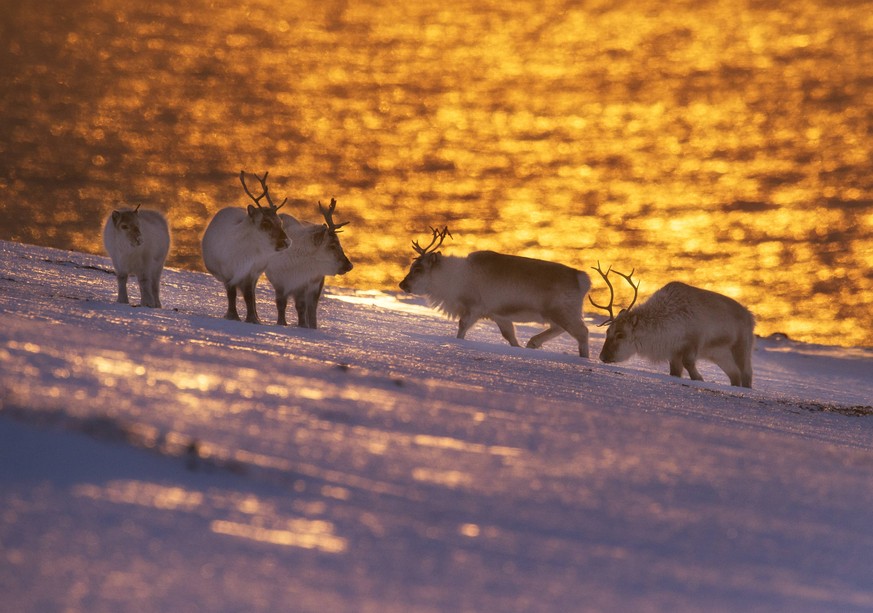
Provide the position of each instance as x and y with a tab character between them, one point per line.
379	463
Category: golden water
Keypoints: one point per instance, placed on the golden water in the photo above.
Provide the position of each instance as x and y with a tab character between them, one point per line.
724	143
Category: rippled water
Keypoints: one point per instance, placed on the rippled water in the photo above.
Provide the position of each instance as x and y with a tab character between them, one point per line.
728	144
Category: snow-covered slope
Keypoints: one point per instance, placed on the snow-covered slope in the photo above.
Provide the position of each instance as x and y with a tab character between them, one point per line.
159	460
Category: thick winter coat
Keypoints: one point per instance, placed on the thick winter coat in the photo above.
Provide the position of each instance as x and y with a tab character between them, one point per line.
237	245
138	242
505	289
299	271
681	324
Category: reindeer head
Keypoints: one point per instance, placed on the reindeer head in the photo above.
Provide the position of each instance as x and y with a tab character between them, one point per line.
619	345
265	218
329	239
416	279
127	223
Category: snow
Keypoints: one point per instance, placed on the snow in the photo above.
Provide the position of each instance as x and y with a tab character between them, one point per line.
169	460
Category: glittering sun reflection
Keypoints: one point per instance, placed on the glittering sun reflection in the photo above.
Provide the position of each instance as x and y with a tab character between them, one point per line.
718	143
245	515
305	534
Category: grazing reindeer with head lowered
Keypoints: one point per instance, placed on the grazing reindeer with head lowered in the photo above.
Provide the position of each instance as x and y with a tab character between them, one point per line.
238	244
680	323
300	270
138	242
503	288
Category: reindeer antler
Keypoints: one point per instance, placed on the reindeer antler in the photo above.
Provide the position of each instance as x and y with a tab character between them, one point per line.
328	216
438	235
608	308
627	277
265	192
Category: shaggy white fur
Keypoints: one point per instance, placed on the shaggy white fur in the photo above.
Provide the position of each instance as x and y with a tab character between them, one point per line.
505	289
299	271
138	242
680	323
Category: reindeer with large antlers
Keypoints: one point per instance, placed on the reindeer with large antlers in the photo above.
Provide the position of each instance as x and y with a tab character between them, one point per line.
502	288
299	272
138	242
238	244
681	324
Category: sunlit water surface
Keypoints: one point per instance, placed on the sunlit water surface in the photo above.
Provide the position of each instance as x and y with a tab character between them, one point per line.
727	144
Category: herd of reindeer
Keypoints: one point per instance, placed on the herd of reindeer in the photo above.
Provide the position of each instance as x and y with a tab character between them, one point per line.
678	323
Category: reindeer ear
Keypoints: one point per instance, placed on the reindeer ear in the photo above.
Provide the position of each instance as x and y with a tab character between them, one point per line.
252	211
634	319
115	217
319	237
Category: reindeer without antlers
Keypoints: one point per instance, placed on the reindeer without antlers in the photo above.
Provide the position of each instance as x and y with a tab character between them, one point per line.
138	243
238	244
680	324
299	271
502	288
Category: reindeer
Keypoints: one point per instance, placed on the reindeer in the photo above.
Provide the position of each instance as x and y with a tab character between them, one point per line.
680	323
299	271
238	243
503	288
138	242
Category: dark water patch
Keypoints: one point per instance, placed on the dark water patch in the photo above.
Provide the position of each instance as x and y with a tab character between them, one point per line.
749	206
849	205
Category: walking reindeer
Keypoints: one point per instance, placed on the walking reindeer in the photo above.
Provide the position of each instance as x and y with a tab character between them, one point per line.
681	324
502	288
299	271
138	242
238	244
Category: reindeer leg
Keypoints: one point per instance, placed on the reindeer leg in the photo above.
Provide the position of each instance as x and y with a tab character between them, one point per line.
676	366
122	289
746	377
314	295
156	290
251	303
741	354
312	312
537	340
465	322
300	307
301	303
146	292
688	362
231	303
723	357
507	329
281	307
577	330
726	363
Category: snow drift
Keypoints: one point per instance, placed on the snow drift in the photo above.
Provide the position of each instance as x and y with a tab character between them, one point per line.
172	460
